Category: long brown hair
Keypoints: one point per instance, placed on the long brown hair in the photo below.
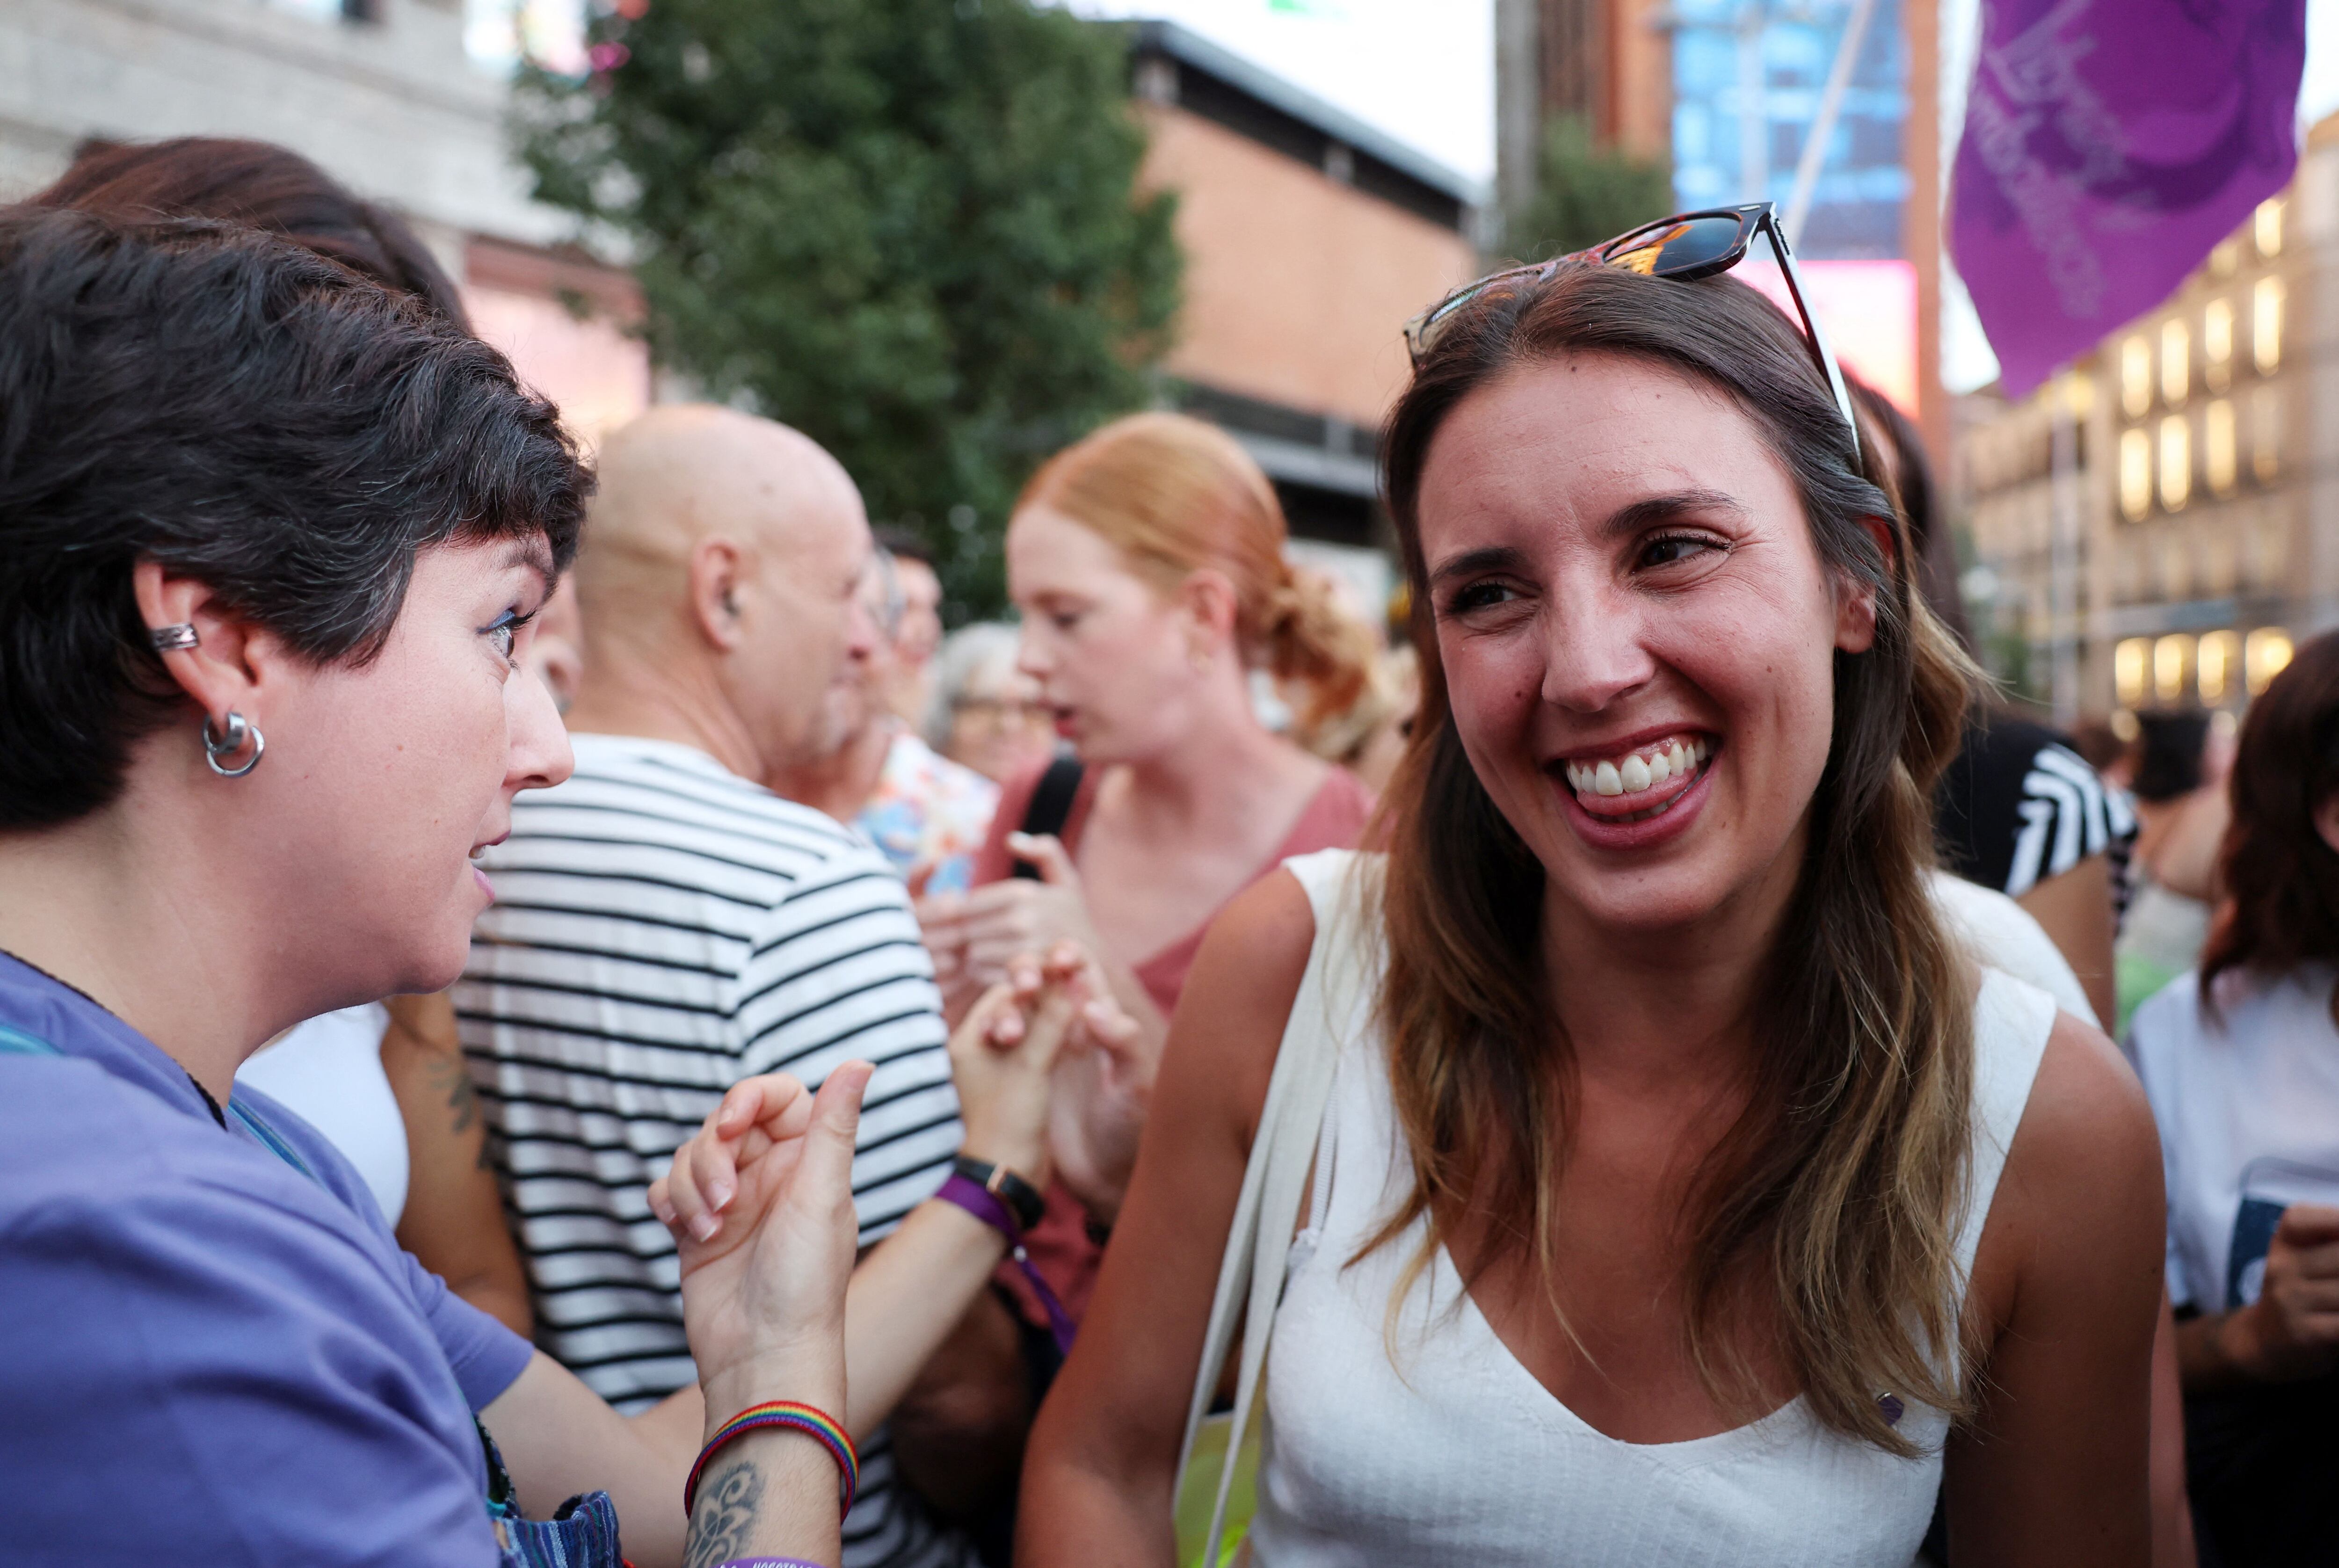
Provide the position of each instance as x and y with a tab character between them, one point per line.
1842	1184
2281	879
1176	495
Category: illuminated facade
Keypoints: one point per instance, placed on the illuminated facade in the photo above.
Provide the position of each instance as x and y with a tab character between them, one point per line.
2187	535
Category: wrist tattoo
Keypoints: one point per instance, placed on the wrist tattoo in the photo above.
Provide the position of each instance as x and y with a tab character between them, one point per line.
723	1525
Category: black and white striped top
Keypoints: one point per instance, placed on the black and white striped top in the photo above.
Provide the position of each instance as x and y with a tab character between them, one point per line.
662	929
2019	806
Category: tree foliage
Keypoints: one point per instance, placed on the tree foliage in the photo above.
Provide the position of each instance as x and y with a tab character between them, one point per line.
1584	193
909	228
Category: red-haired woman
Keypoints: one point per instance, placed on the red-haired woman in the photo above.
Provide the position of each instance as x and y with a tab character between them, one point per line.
1686	1192
1148	561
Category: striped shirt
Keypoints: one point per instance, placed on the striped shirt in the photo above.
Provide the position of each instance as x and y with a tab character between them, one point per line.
2018	807
663	929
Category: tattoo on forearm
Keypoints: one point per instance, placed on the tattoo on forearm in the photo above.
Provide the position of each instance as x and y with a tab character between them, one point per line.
723	1524
449	1076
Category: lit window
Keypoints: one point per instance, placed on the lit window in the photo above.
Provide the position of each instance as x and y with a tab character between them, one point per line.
2266	325
2176	463
2265	434
2130	664
2265	228
2217	345
2170	655
2136	475
2175	362
2135	376
2218	446
2264	654
2214	664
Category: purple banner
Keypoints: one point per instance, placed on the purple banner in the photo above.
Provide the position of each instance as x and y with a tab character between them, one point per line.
2108	145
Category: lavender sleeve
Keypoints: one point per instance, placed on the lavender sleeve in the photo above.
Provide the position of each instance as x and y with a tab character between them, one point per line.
487	1357
207	1357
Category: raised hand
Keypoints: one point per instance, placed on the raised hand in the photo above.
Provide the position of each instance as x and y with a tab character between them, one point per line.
1002	1056
1103	1076
760	1202
975	936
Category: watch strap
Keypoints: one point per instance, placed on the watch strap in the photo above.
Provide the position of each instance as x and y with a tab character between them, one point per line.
1020	1197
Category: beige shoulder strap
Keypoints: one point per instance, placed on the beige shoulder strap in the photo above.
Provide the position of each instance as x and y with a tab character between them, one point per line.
1276	1178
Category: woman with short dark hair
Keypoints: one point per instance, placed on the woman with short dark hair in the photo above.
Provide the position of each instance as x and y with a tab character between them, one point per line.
2240	1059
271	539
1683	1191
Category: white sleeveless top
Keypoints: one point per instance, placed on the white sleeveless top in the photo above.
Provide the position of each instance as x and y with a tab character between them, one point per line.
1455	1453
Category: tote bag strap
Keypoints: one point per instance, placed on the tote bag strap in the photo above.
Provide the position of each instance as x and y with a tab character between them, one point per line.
1251	1275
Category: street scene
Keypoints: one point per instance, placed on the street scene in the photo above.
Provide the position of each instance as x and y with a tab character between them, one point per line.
947	784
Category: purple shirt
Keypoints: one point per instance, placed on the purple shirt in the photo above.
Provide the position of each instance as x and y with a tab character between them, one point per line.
206	1356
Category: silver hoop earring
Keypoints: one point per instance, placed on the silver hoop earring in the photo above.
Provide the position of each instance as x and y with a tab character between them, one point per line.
175	638
239	731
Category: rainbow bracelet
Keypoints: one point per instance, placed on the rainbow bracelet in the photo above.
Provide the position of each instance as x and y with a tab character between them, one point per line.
804	1418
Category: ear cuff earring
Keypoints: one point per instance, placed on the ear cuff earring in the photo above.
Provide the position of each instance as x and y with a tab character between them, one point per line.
239	731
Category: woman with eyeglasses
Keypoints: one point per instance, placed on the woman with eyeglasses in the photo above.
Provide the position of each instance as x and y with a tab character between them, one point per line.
1677	1188
984	713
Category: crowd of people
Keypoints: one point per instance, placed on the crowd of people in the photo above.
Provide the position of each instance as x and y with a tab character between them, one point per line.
548	1014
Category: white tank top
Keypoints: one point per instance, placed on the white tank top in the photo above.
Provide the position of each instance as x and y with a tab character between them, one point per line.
1455	1453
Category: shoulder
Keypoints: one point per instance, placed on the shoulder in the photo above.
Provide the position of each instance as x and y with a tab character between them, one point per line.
1238	999
2087	1118
623	783
2170	1016
853	880
186	1314
324	1158
109	1197
2003	935
2083	1174
1015	795
1336	814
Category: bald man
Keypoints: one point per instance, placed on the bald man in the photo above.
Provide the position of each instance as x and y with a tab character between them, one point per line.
664	926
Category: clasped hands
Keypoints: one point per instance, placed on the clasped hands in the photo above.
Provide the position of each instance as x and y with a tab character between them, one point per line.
760	1199
1029	936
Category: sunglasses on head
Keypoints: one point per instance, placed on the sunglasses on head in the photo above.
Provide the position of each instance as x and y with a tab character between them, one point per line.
1684	246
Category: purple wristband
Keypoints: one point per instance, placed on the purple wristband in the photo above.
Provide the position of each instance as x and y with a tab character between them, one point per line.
986	1206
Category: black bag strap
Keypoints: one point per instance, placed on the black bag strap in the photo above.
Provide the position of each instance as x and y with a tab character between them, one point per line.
1050	807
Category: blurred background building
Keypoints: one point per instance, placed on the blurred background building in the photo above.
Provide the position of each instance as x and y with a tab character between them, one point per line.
1310	233
382	94
1309	237
1756	99
2151	529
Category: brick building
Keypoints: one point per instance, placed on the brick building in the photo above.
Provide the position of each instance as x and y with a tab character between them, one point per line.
1311	238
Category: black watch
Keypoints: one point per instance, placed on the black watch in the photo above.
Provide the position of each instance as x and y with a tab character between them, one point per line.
1004	1185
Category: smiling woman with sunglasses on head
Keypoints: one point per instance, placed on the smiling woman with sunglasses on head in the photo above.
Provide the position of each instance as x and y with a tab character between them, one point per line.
1645	1174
